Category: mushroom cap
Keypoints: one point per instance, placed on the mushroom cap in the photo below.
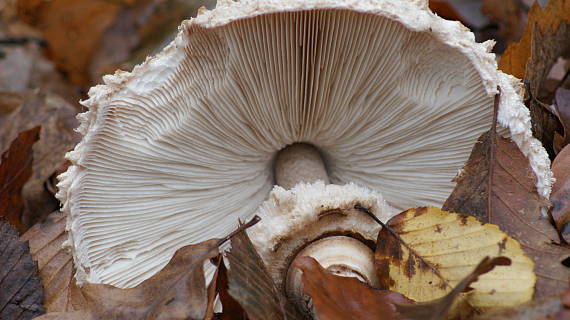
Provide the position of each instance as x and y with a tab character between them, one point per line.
177	150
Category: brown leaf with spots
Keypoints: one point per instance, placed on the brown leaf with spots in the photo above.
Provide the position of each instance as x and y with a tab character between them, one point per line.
544	40
15	170
20	288
497	185
560	196
177	292
251	285
425	252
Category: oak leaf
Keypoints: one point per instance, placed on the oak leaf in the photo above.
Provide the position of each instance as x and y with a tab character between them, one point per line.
424	252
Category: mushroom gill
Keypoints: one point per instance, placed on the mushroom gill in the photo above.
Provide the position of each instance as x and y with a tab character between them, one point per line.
176	151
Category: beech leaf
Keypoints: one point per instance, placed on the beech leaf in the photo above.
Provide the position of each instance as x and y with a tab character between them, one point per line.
15	170
562	105
21	292
497	185
425	252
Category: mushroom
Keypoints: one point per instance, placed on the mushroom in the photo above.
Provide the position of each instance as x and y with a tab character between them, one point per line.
175	152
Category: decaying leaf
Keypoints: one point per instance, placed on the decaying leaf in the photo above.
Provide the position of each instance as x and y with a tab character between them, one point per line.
15	170
251	285
562	105
335	297
425	252
21	292
560	196
57	136
513	204
547	37
55	264
177	292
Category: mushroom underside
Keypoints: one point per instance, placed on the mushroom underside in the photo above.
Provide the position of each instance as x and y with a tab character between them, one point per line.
176	157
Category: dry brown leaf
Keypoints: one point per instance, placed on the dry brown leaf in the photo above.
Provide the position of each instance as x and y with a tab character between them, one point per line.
15	170
20	288
177	292
55	264
546	37
513	204
425	252
560	196
335	298
562	105
232	310
57	137
251	285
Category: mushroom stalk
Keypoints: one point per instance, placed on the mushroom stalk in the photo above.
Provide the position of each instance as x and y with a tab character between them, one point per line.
299	162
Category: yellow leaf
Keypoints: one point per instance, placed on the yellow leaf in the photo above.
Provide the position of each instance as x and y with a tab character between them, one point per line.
427	251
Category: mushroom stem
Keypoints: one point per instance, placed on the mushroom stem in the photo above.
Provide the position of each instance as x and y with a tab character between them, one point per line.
299	162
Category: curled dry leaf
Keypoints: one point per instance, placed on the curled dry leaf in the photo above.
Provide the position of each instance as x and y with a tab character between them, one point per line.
251	285
55	264
335	297
232	310
560	197
544	40
425	252
177	292
20	288
497	186
15	170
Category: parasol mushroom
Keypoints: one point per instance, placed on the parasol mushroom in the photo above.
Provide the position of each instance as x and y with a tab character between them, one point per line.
392	96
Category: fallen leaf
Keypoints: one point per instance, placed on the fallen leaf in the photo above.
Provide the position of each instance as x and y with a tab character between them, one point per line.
251	285
439	309
55	264
508	15
334	297
544	40
177	292
538	309
424	252
232	310
497	185
562	105
15	170
560	196
57	137
72	29
21	292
